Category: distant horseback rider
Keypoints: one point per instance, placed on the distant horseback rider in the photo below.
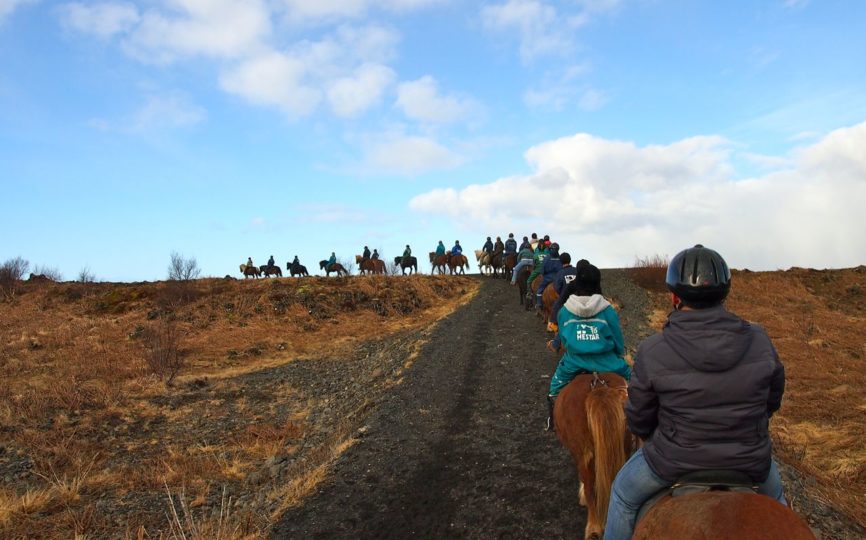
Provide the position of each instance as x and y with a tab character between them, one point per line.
249	262
498	247
366	254
549	270
271	261
375	255
456	250
296	262
331	262
510	245
524	258
525	244
488	246
406	254
440	249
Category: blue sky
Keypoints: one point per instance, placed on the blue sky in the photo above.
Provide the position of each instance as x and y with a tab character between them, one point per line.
223	129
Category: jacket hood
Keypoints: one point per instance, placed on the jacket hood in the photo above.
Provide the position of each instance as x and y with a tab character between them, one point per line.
708	339
586	306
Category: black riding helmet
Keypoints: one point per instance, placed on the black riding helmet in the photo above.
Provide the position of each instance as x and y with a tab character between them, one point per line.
699	276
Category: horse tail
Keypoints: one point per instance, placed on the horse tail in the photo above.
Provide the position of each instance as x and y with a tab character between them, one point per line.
606	420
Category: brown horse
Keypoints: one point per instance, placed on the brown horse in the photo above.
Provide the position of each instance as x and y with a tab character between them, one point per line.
439	262
721	515
548	300
590	423
250	271
508	264
336	267
268	271
522	276
410	262
373	266
457	262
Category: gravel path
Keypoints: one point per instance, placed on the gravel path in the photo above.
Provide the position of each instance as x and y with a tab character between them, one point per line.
458	450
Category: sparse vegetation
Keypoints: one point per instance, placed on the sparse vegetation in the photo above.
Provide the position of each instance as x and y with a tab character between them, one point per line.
11	273
349	265
183	268
94	435
49	272
85	275
649	272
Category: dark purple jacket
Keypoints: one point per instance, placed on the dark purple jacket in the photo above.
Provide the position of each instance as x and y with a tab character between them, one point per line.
702	392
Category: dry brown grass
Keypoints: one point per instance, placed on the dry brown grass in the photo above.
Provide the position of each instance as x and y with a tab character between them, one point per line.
649	272
816	320
92	438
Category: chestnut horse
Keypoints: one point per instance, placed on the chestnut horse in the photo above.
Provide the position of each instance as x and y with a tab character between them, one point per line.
248	271
374	266
439	262
721	515
590	422
522	276
337	267
457	262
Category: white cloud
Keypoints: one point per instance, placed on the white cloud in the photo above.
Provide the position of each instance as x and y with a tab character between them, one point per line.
303	10
273	79
8	6
537	25
104	20
212	28
420	100
409	155
610	201
350	96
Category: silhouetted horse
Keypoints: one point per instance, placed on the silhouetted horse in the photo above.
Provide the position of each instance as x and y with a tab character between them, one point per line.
374	266
590	422
439	262
248	271
336	267
297	269
268	271
411	263
522	276
508	264
721	515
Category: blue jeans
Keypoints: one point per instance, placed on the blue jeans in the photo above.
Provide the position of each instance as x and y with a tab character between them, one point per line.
520	264
636	483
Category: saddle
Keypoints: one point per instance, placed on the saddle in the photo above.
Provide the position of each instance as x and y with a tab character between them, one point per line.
702	482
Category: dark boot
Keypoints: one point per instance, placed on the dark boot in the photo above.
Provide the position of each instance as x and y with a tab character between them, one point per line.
550	401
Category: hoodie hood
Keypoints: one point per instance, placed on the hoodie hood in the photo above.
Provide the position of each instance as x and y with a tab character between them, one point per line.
708	339
586	306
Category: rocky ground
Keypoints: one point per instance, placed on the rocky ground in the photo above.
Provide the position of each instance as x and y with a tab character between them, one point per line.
457	450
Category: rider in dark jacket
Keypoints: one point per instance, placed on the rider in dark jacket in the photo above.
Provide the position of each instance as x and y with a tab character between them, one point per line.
366	254
511	244
701	393
488	246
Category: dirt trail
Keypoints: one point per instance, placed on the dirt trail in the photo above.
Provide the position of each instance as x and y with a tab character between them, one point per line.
458	450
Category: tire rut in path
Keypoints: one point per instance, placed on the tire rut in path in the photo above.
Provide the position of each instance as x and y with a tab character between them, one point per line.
458	449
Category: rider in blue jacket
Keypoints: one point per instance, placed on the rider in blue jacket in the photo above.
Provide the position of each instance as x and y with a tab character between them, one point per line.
456	250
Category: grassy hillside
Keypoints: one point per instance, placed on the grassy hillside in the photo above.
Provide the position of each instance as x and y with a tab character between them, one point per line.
101	438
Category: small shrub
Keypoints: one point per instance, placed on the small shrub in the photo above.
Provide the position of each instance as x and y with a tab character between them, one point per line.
86	276
182	268
349	265
649	272
49	272
11	273
162	350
